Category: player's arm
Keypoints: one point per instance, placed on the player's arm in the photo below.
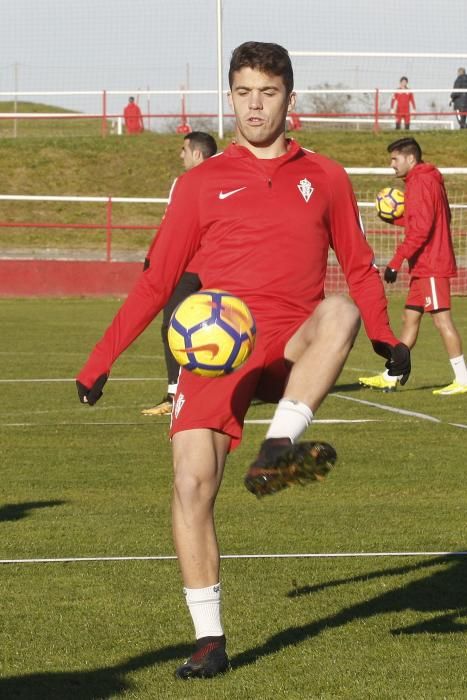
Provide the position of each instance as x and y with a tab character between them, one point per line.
356	258
419	216
176	243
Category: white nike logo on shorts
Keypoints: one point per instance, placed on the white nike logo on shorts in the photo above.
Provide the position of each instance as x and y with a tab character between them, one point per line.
224	195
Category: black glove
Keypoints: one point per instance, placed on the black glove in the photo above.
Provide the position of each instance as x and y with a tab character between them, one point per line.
146	264
93	394
390	275
398	359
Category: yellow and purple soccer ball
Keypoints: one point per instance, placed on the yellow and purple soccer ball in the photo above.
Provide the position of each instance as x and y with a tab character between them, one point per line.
390	204
211	333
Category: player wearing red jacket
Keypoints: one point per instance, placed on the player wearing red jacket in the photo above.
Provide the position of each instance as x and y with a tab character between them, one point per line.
258	221
401	102
133	117
427	246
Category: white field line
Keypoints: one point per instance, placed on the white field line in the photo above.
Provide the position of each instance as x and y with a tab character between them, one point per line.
124	424
400	411
265	421
373	404
172	557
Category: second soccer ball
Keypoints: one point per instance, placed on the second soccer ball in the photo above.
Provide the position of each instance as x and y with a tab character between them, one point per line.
390	204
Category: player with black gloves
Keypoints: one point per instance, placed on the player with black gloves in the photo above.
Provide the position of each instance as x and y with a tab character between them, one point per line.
427	246
260	219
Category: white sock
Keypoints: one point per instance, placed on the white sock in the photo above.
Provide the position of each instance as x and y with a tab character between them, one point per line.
172	389
389	378
460	370
204	605
291	419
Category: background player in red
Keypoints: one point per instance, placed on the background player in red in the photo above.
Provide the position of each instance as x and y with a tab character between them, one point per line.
428	248
197	146
401	102
133	118
259	220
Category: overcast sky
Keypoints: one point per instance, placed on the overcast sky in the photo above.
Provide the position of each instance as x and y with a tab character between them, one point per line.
130	44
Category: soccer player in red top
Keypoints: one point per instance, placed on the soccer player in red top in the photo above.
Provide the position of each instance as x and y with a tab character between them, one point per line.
427	246
259	220
133	118
401	102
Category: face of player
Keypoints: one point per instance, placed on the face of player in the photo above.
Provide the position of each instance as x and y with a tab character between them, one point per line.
402	163
260	103
189	156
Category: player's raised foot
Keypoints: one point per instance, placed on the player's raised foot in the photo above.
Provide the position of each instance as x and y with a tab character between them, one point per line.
451	389
281	464
163	408
209	659
379	382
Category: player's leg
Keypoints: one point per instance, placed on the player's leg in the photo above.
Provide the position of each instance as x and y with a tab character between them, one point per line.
445	326
199	458
207	421
188	284
319	349
411	319
317	352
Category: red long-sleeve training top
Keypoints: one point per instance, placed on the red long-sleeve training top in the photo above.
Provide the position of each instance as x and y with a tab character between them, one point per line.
260	229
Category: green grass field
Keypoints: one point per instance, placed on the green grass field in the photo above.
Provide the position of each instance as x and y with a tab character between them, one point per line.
96	482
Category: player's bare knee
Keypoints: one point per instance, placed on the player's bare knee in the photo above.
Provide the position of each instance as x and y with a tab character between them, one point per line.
343	313
191	486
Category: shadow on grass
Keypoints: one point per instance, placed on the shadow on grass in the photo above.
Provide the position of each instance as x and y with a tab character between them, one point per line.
99	683
18	511
439	592
346	387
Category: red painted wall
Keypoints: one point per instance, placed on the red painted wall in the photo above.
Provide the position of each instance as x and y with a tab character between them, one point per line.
24	278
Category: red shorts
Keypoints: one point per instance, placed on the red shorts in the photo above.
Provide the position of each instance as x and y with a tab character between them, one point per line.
220	403
429	294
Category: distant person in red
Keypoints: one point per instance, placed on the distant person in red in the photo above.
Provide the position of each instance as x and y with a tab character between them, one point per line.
133	119
401	102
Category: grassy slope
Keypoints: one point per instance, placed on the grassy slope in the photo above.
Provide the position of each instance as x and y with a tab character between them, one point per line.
145	167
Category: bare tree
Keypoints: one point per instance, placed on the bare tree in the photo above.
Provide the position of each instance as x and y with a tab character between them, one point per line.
326	103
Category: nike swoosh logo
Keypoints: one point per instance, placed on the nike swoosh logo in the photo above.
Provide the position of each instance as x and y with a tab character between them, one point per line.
224	195
213	348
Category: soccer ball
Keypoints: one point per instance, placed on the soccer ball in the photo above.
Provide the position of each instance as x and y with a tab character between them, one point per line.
211	333
390	204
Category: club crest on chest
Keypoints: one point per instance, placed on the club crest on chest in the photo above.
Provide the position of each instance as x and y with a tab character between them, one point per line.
306	189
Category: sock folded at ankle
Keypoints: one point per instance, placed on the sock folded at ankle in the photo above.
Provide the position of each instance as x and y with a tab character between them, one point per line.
459	368
204	606
291	419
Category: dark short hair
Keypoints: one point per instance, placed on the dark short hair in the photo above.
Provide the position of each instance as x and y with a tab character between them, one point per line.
407	146
272	59
203	142
404	77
